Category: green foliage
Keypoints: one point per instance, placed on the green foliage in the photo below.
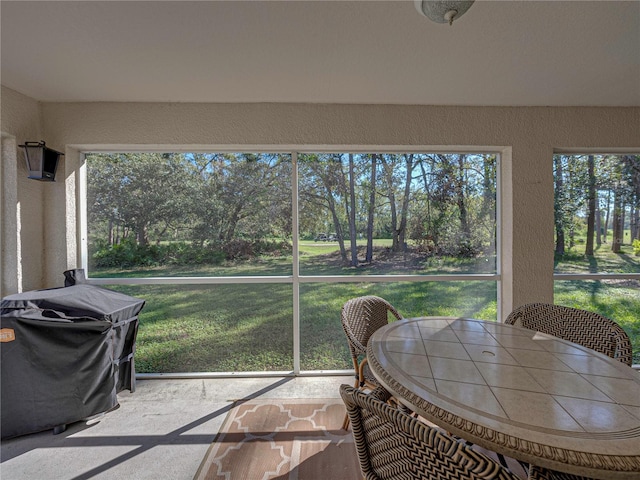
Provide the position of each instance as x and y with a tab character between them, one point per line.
129	254
200	198
616	179
189	208
636	247
241	249
125	254
230	214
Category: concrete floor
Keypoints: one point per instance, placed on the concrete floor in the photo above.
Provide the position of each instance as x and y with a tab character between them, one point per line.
162	431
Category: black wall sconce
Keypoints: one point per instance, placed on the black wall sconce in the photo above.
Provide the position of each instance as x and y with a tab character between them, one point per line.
42	162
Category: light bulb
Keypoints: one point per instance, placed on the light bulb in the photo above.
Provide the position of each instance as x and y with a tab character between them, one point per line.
450	15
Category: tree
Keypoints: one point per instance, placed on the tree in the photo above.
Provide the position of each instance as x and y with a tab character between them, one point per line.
351	209
371	208
409	165
617	224
624	181
429	231
388	162
605	228
103	176
586	187
460	183
321	177
397	177
632	167
130	189
591	206
242	196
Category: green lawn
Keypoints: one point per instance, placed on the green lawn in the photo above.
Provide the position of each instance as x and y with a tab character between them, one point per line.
603	261
197	328
248	327
616	299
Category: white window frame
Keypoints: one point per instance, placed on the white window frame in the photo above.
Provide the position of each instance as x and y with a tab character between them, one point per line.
295	279
594	276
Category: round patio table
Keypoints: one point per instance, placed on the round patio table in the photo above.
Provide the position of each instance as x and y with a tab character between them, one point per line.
528	395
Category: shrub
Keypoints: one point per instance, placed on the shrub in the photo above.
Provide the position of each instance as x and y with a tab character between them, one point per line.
128	254
636	247
238	248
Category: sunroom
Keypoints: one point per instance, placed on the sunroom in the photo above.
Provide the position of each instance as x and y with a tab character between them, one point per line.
505	98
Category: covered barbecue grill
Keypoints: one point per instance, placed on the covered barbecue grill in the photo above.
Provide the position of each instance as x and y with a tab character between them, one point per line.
65	354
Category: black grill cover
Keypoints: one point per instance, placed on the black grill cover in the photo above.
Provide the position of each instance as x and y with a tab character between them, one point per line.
65	354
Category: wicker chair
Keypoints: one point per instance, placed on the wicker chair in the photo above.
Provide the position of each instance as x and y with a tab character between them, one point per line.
588	329
393	445
539	473
585	328
361	317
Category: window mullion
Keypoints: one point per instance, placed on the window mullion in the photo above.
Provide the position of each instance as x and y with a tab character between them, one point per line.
296	263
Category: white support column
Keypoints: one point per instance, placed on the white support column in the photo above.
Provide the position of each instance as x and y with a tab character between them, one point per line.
505	234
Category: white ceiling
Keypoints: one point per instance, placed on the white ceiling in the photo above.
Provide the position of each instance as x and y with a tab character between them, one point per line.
378	52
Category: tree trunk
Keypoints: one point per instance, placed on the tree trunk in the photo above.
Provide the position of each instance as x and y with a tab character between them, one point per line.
352	213
606	217
617	223
402	228
428	230
142	237
372	207
336	223
233	219
572	232
388	171
591	206
633	164
461	201
110	228
488	193
598	225
623	221
557	213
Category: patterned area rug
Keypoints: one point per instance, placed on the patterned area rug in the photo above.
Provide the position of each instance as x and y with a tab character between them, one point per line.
282	439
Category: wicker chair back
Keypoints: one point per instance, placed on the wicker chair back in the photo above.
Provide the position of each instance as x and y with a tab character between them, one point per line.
392	445
588	329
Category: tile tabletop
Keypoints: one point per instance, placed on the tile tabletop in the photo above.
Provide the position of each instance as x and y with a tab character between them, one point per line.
519	392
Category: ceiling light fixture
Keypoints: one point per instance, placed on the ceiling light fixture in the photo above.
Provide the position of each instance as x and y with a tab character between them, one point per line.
443	11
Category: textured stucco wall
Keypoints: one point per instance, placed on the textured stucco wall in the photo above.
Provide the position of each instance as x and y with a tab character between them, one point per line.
22	199
526	136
